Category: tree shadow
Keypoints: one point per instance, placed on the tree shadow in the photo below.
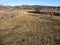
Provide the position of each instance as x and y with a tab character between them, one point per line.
54	13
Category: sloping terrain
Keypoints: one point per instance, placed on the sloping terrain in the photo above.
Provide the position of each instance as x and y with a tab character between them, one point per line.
29	29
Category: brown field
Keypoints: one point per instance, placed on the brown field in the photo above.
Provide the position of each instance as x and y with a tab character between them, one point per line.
17	27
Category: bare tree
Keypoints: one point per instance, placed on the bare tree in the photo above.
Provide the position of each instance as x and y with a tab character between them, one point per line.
37	9
50	11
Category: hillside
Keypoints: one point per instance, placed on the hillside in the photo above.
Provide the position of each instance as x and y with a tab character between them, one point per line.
18	27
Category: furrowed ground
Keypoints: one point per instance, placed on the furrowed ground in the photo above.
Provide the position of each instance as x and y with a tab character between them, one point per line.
21	28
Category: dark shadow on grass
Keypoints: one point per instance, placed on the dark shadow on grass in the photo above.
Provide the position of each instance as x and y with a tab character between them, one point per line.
36	12
54	13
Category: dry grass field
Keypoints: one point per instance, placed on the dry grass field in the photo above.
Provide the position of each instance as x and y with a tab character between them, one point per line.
17	27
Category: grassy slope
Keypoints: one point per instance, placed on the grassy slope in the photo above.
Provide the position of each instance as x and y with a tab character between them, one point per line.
30	29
